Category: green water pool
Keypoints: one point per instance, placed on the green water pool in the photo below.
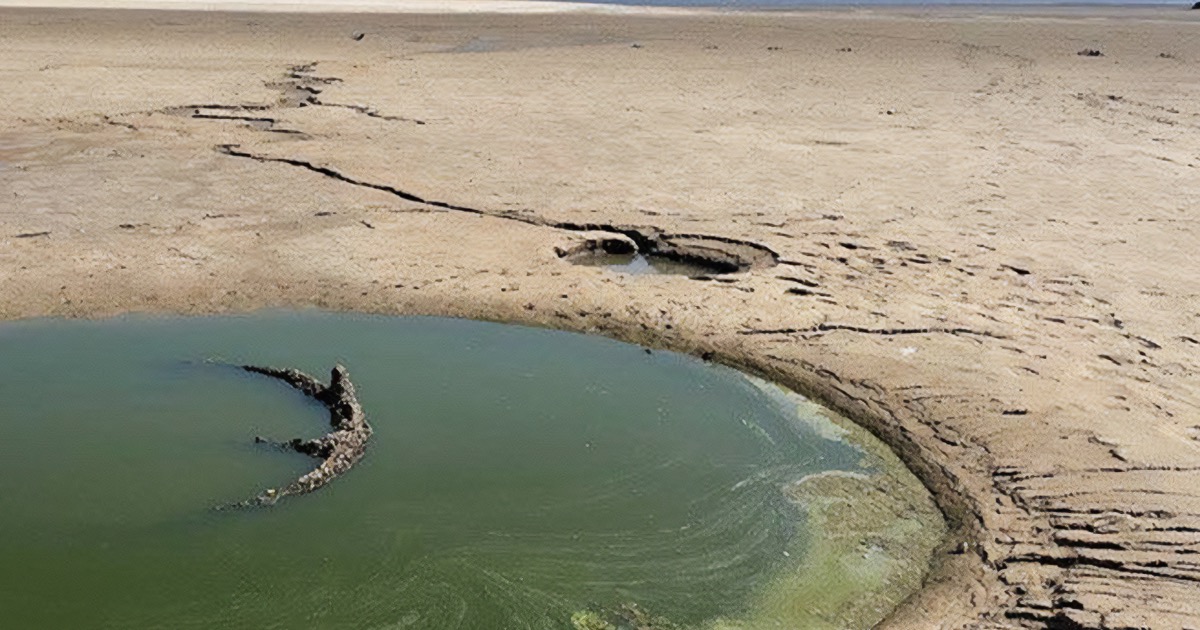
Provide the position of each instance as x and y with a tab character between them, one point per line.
516	476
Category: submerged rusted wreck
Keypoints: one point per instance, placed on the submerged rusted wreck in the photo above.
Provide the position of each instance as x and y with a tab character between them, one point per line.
338	450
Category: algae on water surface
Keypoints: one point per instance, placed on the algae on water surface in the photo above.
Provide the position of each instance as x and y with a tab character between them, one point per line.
515	477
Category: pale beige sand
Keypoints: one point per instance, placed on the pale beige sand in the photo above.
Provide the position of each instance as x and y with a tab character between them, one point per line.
999	277
340	6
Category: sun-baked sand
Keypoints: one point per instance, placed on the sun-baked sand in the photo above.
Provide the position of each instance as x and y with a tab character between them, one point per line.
985	241
340	6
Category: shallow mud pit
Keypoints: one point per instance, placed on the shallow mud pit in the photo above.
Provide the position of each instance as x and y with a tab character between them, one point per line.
648	251
516	478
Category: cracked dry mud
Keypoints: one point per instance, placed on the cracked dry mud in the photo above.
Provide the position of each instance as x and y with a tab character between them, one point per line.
970	239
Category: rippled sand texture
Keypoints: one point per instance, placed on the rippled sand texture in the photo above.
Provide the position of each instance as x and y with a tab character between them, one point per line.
984	240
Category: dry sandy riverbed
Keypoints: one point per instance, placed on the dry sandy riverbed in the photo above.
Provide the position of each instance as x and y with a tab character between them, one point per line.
985	242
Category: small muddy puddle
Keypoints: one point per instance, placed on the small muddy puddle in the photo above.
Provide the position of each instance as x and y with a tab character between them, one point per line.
517	477
638	264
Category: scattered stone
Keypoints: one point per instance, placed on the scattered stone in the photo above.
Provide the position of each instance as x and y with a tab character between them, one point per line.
358	36
1090	52
845	49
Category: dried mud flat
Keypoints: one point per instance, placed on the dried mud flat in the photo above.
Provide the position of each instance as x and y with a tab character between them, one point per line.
975	241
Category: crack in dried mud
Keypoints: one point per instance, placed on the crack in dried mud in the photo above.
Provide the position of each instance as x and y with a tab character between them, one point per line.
722	254
370	112
233	150
887	332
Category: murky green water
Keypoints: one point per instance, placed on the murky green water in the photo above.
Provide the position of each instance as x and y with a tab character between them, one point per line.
515	476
